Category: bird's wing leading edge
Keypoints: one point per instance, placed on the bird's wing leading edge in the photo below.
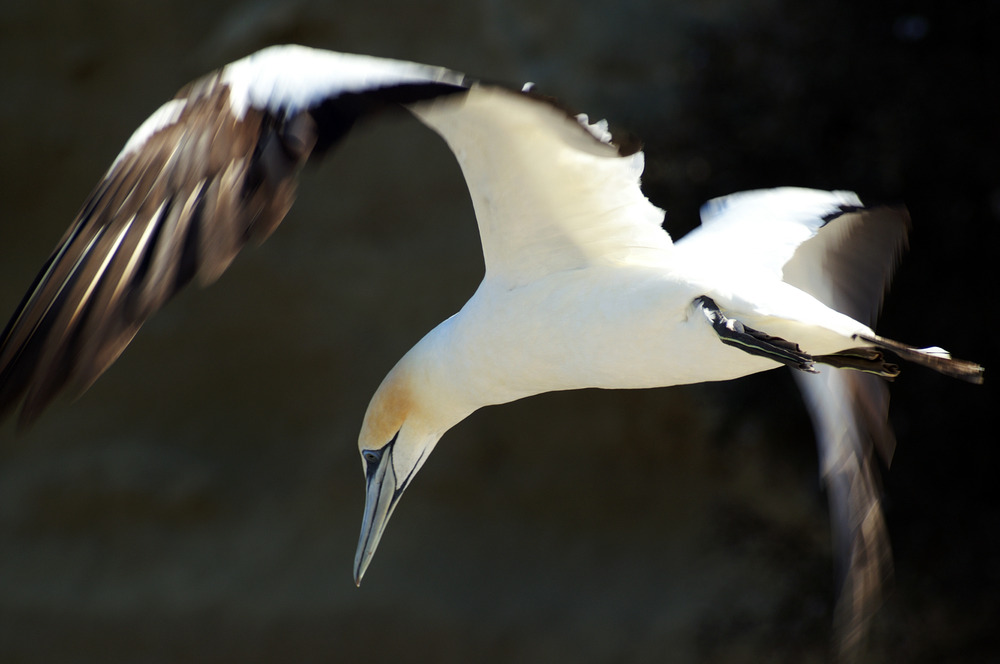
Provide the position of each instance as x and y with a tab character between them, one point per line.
848	266
207	172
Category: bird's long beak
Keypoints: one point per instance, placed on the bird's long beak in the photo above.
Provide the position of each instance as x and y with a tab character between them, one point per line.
381	495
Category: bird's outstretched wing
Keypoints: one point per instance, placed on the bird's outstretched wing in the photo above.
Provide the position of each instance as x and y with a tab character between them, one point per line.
843	254
848	266
758	232
551	191
209	171
216	167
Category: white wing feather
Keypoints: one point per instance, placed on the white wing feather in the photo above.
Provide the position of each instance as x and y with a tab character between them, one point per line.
759	231
549	193
295	77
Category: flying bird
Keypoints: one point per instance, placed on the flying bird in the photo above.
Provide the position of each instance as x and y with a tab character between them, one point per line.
582	288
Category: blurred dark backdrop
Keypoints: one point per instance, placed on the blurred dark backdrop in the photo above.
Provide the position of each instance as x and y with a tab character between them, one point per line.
201	502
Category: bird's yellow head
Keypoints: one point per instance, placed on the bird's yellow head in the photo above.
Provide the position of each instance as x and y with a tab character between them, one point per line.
398	434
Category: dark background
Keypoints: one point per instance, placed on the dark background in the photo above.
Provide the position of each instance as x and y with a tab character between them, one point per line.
201	501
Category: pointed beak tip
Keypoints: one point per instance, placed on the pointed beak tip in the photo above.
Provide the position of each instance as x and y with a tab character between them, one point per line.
381	494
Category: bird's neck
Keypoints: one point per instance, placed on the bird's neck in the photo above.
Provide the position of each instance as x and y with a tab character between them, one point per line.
427	388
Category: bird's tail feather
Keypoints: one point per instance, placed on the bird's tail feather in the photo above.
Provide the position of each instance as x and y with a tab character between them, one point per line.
934	358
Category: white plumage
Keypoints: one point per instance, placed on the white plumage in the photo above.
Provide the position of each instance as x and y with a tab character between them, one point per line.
583	287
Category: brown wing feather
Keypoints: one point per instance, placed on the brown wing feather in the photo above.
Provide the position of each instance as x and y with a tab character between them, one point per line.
184	197
181	207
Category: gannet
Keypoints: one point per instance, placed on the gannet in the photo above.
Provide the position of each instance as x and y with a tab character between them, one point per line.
582	288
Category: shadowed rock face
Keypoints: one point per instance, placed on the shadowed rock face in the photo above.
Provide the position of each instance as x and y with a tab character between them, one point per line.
201	501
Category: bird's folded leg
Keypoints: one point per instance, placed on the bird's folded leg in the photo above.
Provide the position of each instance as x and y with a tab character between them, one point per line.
734	333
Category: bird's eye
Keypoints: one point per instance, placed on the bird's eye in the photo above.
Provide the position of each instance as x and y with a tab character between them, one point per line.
373	458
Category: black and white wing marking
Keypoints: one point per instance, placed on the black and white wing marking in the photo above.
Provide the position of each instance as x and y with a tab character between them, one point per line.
209	171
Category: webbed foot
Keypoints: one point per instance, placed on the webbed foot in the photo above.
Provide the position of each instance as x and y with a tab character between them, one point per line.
734	333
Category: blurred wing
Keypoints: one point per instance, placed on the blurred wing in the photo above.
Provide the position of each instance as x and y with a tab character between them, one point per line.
848	265
551	192
207	172
843	254
849	411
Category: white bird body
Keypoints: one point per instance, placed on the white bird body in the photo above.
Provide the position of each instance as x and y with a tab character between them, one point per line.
582	288
613	327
